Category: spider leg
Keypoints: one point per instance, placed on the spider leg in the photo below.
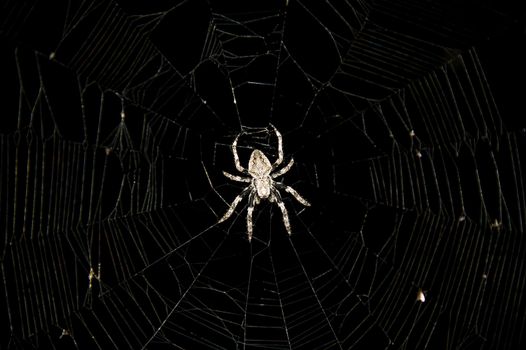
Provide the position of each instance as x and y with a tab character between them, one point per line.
252	203
236	157
294	193
280	148
236	177
276	197
234	204
285	214
283	170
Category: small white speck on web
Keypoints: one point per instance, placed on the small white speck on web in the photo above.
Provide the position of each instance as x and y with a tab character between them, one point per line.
420	296
234	95
496	225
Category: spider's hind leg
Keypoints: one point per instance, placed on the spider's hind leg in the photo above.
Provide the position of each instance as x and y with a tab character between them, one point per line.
285	214
276	197
294	193
252	202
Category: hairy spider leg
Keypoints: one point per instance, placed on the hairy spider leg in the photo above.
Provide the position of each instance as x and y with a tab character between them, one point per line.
235	203
283	170
276	197
236	156
280	148
250	210
237	177
293	192
285	214
252	202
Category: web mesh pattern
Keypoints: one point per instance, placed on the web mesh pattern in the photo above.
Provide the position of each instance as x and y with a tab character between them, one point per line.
118	119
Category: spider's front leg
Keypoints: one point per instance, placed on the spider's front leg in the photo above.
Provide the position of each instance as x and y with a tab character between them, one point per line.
236	156
280	148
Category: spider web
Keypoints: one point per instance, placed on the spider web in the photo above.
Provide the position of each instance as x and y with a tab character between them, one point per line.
118	119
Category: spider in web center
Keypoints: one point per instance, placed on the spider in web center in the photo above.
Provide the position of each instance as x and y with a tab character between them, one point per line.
262	186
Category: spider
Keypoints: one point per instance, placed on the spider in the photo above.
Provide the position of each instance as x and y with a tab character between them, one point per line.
262	185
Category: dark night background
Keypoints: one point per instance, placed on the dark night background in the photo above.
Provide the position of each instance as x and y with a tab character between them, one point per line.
406	123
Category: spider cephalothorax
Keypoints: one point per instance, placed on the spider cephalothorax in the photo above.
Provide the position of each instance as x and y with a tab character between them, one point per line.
261	183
